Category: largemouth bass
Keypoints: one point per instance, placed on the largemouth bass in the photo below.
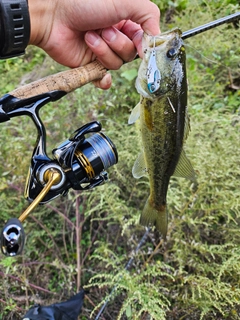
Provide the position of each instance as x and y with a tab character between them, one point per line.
164	123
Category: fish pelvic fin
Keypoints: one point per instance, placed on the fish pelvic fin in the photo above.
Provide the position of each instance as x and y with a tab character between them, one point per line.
152	216
139	168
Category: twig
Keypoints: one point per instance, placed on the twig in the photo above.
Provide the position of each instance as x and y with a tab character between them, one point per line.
127	267
64	241
78	243
61	214
79	224
154	252
16	307
92	242
28	283
58	253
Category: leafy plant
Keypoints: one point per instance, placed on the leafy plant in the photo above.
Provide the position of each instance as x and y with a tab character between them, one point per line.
86	239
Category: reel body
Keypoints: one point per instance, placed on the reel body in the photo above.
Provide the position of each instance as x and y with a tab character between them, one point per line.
79	163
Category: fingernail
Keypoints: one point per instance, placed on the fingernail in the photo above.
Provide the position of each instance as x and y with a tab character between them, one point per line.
106	81
109	34
92	38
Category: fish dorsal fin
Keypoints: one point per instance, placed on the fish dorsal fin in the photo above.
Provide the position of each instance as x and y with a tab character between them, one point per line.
184	168
187	126
135	114
139	168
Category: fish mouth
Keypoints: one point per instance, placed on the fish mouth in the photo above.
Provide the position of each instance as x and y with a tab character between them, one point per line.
158	41
164	37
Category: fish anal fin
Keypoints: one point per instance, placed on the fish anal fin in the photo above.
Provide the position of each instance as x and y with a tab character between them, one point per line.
135	114
139	168
184	168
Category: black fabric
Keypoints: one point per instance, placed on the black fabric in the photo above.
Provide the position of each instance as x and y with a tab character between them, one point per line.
67	310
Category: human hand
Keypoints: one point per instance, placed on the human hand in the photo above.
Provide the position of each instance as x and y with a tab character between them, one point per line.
76	32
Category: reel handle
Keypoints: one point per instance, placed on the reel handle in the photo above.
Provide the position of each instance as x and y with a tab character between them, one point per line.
52	177
12	235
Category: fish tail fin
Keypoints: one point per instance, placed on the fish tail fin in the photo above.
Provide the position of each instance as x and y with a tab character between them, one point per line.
155	217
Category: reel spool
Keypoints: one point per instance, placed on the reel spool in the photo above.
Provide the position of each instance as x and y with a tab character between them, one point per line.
85	160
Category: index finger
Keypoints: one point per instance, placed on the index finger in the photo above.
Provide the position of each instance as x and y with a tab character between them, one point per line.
147	15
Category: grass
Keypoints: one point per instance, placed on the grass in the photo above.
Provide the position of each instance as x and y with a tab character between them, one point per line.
86	238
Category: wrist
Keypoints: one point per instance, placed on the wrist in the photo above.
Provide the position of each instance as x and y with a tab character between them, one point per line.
41	17
14	27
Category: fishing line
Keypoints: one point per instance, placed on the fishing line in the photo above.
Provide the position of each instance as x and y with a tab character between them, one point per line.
206	58
202	55
127	267
108	120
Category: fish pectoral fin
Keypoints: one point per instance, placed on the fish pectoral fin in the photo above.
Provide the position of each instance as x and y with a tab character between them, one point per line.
139	168
135	114
184	168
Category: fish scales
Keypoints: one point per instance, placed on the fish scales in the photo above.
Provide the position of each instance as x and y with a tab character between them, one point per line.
163	122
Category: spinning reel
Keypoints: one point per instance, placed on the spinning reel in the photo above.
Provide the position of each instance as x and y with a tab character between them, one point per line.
79	163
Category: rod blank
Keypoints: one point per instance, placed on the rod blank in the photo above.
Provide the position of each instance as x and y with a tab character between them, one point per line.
210	25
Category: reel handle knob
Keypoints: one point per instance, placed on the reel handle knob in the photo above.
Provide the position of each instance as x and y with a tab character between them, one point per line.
12	238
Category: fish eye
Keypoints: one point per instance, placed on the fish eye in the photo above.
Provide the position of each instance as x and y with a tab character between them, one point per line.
171	54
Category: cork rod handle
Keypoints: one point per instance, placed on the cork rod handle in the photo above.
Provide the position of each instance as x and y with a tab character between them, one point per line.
65	81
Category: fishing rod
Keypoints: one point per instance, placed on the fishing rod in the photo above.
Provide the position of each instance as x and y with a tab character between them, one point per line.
210	25
69	80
